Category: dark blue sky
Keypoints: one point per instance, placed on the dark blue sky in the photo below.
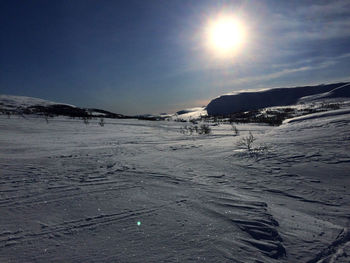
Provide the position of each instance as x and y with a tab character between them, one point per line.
148	56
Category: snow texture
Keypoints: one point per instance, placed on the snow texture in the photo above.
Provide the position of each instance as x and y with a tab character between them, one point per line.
140	191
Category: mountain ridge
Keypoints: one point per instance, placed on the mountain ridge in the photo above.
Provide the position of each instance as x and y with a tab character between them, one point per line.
254	100
10	104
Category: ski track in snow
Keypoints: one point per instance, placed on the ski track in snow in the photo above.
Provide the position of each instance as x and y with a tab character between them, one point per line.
74	193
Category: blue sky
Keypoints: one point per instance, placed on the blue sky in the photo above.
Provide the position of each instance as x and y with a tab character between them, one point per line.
139	56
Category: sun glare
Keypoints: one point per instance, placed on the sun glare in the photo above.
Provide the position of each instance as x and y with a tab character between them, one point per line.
226	35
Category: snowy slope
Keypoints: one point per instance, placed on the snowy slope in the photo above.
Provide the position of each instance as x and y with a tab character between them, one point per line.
319	115
138	191
192	113
246	101
340	92
14	102
27	105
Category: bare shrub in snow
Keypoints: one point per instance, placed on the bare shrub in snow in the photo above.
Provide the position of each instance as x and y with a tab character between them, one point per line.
187	130
330	106
235	130
204	129
262	148
85	120
193	121
247	142
46	117
101	122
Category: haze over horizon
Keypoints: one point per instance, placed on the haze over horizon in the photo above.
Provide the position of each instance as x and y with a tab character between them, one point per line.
134	57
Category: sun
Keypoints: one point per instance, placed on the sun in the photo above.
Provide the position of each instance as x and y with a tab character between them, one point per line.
225	35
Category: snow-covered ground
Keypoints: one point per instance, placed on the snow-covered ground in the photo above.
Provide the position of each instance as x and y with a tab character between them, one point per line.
138	191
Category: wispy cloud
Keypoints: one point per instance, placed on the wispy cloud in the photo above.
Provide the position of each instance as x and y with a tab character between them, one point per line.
303	62
270	76
325	21
284	72
331	8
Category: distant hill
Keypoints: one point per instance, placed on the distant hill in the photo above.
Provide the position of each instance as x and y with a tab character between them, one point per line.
27	105
254	100
340	92
190	114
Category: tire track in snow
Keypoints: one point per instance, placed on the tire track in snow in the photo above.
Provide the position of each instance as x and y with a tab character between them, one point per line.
65	185
57	196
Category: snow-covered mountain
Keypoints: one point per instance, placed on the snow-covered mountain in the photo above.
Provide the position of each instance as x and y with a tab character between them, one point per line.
10	102
340	92
191	113
28	105
253	100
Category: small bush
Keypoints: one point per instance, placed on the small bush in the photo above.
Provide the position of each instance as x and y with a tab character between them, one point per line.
235	130
330	106
46	116
101	122
204	129
85	120
247	142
